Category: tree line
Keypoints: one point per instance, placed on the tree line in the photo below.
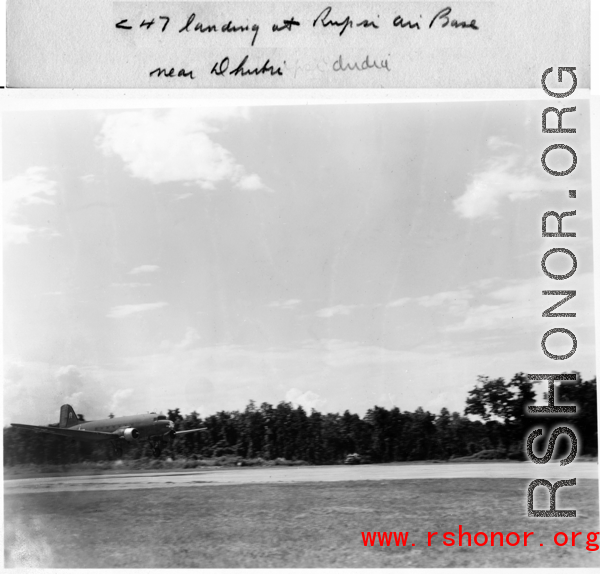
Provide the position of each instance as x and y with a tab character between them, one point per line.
289	432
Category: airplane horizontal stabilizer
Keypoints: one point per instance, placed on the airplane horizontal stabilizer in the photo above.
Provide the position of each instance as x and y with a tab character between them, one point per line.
189	431
85	435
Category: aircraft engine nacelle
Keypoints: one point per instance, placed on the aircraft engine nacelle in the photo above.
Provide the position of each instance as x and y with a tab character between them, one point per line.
131	434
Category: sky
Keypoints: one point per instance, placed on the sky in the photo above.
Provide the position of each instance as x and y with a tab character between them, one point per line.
334	256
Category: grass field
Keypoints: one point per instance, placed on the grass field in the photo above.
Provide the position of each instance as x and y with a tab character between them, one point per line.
293	525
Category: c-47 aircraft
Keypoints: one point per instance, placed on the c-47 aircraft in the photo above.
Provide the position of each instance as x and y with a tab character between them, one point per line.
155	428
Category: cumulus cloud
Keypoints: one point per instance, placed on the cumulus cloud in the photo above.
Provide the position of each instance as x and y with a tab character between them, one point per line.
502	178
144	269
34	392
70	380
346	374
507	175
81	391
307	400
176	146
287	304
89	178
119	400
336	310
89	398
30	188
125	310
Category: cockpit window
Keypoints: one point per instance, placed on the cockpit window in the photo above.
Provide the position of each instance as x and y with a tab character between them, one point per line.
161	418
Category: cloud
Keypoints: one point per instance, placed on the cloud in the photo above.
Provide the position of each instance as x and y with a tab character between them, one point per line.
80	390
307	400
250	183
118	398
89	178
190	340
34	392
15	233
484	306
287	304
496	143
520	303
336	310
131	285
398	302
33	187
347	374
452	301
505	176
70	380
30	188
126	310
144	269
176	146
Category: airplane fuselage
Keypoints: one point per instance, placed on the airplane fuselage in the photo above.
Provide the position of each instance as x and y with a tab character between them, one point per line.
148	425
116	430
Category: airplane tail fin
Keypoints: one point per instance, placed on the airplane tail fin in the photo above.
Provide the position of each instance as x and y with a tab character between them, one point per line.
68	418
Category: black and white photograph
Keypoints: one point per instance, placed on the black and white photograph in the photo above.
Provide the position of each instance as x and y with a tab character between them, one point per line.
300	335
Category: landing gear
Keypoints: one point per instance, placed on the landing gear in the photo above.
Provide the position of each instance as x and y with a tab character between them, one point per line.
156	450
118	452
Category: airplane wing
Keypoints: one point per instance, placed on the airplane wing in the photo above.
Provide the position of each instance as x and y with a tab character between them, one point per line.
84	435
181	432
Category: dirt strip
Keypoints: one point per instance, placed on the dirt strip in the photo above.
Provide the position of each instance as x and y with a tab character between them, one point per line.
170	479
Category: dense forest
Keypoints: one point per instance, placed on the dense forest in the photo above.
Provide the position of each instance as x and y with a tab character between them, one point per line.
268	432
